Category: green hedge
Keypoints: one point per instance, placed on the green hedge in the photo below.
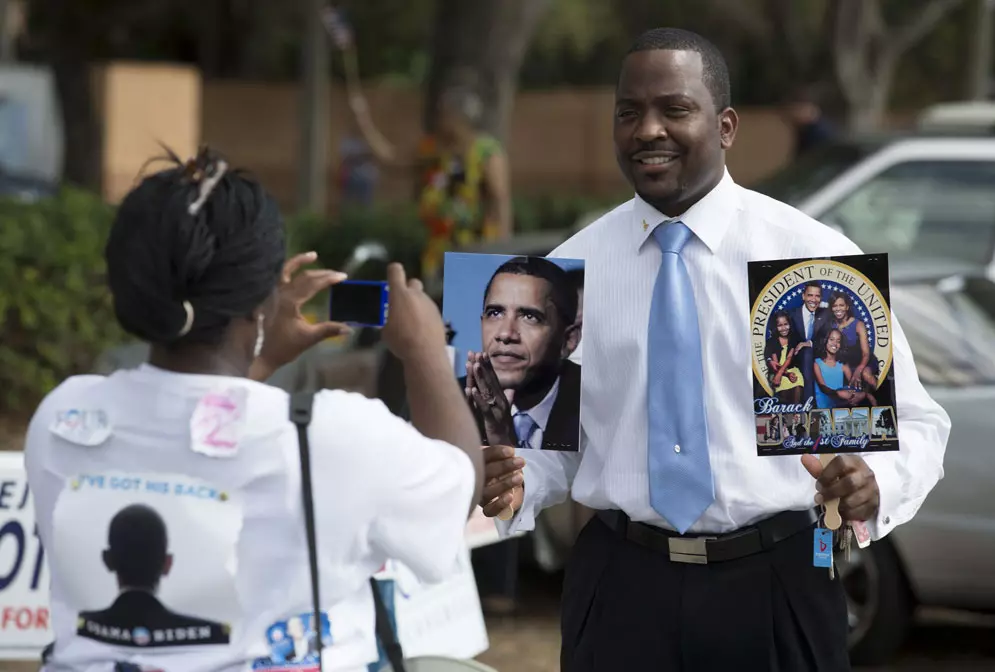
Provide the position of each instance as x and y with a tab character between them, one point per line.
55	309
56	312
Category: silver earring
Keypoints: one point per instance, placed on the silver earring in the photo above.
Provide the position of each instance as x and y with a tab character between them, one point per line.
260	337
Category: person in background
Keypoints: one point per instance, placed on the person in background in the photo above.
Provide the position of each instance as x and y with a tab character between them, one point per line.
461	173
197	268
358	171
805	115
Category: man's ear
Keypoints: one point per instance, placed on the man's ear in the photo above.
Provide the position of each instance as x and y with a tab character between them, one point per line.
728	125
108	563
167	565
571	339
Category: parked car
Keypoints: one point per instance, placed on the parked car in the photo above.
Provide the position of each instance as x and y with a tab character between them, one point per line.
928	200
25	188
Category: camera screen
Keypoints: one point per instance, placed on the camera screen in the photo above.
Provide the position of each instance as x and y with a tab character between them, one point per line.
357	303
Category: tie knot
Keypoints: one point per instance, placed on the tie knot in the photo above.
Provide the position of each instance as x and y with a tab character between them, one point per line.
672	236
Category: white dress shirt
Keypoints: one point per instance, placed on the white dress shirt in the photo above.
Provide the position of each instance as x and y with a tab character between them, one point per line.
731	227
228	490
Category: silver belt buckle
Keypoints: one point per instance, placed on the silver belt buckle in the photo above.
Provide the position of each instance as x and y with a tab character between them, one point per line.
692	550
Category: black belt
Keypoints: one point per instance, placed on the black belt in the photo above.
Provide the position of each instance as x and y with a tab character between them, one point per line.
703	549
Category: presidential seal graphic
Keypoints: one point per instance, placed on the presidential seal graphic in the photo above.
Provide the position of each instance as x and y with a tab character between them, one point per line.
821	354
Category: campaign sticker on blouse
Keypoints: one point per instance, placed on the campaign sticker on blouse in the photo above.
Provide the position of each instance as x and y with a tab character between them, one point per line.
217	421
148	560
821	337
293	644
84	427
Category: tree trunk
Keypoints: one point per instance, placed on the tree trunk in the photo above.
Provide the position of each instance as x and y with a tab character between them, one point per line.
980	67
64	38
486	40
313	170
866	54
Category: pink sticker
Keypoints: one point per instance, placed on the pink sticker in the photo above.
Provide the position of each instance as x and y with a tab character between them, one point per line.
861	533
217	421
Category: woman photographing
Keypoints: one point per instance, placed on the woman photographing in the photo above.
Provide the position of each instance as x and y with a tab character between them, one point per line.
168	497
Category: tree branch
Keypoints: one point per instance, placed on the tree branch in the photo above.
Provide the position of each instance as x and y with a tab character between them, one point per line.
903	38
744	16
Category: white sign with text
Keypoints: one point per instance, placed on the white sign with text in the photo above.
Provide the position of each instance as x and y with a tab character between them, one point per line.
24	617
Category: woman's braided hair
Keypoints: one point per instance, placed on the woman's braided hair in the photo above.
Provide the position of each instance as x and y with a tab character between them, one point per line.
191	248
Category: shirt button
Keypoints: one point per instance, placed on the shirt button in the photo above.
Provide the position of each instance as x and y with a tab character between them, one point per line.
677	448
887	520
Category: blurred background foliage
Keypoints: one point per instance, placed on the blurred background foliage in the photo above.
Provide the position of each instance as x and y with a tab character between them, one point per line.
577	43
57	315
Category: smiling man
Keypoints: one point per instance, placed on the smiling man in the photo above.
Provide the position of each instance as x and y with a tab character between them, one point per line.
524	390
700	555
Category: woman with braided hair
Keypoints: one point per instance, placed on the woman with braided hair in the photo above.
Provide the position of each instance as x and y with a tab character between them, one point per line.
169	497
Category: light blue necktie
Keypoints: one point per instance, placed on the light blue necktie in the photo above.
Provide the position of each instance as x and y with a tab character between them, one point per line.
525	426
680	474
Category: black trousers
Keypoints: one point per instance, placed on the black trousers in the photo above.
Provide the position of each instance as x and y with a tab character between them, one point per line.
627	607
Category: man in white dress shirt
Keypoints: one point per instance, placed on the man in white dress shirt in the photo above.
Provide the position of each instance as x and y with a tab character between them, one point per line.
638	593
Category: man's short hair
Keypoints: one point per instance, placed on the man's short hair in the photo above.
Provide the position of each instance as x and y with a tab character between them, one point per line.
562	291
812	283
715	70
137	545
576	276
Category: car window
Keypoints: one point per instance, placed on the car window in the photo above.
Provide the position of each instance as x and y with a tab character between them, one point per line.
950	327
933	209
803	177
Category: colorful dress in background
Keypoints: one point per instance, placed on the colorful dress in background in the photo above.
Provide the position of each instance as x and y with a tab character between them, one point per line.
450	201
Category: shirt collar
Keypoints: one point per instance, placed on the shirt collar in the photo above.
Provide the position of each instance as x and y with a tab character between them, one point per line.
708	219
540	412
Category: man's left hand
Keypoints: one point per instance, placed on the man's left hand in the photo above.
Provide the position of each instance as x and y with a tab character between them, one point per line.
849	479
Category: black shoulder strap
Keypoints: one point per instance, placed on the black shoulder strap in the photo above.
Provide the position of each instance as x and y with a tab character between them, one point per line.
300	414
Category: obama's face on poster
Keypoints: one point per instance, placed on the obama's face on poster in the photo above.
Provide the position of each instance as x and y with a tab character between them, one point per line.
523	333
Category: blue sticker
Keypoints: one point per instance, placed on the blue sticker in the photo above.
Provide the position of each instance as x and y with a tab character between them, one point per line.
822	552
293	645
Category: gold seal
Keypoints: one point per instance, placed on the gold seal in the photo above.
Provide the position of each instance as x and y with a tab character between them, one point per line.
784	292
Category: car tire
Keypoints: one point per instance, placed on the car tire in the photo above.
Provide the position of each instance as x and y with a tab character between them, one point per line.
880	603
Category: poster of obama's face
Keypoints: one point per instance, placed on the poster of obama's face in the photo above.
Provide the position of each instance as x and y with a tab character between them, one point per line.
517	322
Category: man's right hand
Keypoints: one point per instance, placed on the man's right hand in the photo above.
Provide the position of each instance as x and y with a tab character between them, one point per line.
414	324
503	480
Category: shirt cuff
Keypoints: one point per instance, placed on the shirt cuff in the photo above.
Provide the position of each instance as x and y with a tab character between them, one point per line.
524	519
894	506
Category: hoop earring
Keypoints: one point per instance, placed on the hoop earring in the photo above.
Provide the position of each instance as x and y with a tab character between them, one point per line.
260	337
